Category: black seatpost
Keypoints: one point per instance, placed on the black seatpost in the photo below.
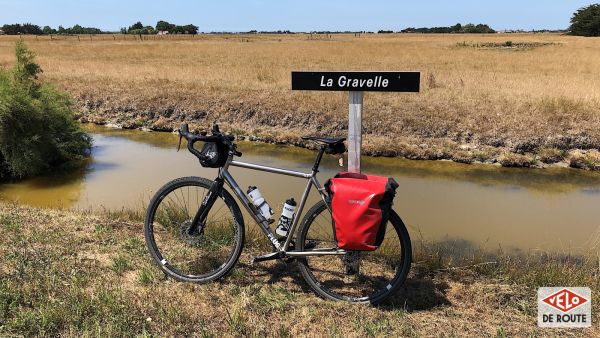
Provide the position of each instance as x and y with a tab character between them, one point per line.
318	159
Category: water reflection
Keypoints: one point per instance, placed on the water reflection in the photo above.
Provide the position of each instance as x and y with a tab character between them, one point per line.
60	189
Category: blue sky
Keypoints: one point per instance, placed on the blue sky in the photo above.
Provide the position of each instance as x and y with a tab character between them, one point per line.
238	15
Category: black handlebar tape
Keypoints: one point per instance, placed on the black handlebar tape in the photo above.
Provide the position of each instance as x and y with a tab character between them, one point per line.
193	138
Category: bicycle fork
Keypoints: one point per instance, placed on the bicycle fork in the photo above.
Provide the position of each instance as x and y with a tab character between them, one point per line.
199	221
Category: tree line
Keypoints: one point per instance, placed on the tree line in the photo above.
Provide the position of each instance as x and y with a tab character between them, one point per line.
28	28
137	28
161	27
458	28
585	22
166	27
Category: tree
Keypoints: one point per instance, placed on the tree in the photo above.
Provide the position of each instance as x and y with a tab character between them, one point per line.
25	71
456	28
12	29
48	30
37	128
139	28
25	28
137	25
481	28
144	31
586	21
77	29
468	28
177	30
29	28
164	26
150	30
190	29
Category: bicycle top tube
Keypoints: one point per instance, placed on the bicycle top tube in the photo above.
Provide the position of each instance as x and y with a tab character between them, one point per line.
271	169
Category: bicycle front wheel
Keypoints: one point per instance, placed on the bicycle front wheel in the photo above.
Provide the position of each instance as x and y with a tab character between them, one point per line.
358	276
185	254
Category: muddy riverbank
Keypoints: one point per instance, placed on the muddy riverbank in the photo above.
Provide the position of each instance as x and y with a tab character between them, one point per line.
249	124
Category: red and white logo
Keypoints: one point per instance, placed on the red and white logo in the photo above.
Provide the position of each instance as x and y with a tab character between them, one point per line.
565	300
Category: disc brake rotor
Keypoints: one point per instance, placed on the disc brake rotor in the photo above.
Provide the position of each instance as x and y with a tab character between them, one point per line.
193	238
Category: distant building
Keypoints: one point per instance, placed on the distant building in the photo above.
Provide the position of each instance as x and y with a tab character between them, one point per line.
162	33
1	32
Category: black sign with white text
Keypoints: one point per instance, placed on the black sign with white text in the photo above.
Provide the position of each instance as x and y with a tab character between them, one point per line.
357	81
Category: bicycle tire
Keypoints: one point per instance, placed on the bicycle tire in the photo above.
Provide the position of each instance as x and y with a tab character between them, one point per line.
155	252
321	287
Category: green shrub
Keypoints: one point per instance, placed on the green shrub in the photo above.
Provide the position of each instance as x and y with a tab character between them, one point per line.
37	127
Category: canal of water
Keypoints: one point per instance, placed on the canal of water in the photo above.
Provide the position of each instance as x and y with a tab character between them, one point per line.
530	209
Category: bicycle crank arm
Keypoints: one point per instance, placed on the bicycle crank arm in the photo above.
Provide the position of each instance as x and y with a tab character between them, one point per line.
267	257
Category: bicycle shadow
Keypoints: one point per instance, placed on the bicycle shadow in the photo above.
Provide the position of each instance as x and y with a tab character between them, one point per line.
276	272
420	292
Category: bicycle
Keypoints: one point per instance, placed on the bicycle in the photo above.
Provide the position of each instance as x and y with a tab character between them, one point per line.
194	230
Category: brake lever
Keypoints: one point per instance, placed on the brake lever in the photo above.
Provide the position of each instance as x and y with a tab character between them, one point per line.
179	145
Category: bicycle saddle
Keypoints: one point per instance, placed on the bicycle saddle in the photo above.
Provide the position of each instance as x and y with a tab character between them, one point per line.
326	140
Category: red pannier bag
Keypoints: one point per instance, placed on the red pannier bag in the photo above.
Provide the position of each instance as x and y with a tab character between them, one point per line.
361	206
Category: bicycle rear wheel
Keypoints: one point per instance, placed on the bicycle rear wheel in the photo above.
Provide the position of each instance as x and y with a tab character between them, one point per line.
358	276
193	256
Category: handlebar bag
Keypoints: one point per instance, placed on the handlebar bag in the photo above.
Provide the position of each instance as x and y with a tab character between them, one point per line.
361	206
215	154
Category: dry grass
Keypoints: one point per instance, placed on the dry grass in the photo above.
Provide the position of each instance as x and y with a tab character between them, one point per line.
69	274
518	99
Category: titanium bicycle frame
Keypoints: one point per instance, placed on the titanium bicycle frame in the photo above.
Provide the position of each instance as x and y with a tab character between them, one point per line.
280	250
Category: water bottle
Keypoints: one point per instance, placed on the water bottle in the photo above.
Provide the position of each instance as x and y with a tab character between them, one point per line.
287	215
260	203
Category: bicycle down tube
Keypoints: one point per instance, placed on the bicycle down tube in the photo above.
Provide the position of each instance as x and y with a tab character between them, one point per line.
262	222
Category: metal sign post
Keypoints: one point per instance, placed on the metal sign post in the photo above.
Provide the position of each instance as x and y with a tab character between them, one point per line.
356	83
355	104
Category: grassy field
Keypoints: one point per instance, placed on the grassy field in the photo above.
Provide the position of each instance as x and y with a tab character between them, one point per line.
514	99
72	274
